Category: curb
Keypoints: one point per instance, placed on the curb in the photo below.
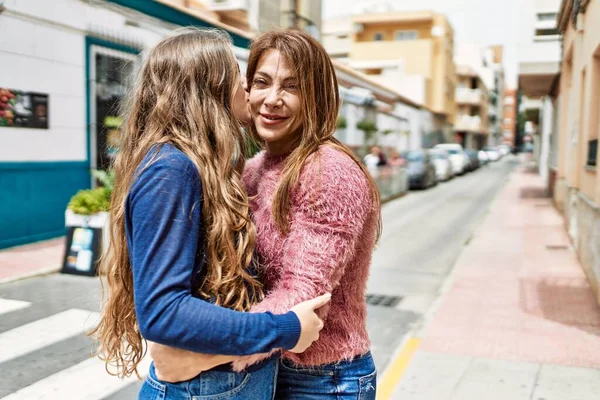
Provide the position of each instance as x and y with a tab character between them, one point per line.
31	274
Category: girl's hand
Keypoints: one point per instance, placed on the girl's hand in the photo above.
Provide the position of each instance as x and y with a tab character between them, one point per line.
177	365
309	321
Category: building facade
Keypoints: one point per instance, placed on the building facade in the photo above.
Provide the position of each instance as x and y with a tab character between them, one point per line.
509	116
472	99
261	15
539	56
577	189
409	43
64	72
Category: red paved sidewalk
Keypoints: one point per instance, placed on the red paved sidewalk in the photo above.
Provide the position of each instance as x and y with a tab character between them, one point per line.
31	260
519	292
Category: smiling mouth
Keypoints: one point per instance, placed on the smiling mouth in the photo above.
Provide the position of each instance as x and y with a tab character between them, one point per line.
271	117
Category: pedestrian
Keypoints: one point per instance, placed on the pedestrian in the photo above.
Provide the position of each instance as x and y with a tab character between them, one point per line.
373	158
178	271
317	215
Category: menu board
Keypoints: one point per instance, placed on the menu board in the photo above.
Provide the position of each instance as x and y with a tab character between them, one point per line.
82	250
20	109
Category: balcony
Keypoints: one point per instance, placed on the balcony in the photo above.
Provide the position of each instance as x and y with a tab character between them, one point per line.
468	96
417	55
228	5
468	123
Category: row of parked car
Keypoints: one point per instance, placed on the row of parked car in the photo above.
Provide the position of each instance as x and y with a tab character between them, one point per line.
445	161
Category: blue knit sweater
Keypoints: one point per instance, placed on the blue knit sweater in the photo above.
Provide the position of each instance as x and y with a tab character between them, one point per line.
165	240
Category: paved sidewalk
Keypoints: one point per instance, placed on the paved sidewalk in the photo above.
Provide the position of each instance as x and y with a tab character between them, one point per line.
519	320
31	260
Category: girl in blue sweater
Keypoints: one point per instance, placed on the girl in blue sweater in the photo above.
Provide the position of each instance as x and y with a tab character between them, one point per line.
179	268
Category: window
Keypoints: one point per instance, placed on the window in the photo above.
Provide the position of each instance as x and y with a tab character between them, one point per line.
547	32
546	16
507	121
406	35
378	37
592	152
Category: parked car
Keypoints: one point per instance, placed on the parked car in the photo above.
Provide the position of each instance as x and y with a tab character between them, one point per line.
421	171
504	149
492	153
458	158
442	164
483	157
473	159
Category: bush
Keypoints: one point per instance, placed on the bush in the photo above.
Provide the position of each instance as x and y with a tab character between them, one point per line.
341	122
366	126
90	201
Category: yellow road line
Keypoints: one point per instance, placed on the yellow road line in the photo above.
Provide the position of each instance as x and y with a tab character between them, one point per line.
395	372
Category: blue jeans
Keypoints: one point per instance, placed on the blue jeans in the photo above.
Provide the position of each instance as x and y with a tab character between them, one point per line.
215	385
346	380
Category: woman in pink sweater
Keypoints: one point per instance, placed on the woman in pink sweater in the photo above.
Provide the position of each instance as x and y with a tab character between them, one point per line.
316	210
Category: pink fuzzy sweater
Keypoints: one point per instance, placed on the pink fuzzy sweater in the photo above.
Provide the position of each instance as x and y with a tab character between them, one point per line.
328	249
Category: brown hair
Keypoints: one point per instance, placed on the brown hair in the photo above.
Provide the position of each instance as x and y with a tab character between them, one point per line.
183	96
319	91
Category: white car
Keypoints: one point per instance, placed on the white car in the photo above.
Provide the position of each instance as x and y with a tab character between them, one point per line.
483	157
504	149
443	166
493	153
458	158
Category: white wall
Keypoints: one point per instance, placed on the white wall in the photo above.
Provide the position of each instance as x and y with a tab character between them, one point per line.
48	60
42	49
547	128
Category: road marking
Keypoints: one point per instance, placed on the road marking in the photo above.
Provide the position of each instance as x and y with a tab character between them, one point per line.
395	372
7	305
44	332
87	380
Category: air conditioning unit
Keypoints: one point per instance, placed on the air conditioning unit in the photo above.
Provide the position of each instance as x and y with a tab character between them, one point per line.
358	28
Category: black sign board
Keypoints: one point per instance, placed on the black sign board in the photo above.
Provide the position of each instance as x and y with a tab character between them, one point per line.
82	250
19	109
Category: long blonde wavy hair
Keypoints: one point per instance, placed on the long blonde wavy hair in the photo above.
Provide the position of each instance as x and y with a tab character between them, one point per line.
183	96
319	91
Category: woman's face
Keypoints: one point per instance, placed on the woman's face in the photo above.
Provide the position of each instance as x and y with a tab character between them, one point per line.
240	103
275	103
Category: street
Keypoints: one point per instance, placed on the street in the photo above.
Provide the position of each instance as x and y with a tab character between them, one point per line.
43	318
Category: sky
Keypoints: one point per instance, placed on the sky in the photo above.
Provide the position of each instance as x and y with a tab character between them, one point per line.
484	22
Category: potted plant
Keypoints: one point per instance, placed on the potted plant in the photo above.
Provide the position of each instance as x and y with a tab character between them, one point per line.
369	128
86	220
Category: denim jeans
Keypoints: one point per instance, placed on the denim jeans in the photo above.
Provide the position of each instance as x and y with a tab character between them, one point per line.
346	380
215	385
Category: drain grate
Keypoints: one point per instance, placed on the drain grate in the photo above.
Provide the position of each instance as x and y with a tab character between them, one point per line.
382	300
557	247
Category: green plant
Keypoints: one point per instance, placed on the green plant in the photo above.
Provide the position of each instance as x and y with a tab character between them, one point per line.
90	201
341	122
368	127
106	178
387	131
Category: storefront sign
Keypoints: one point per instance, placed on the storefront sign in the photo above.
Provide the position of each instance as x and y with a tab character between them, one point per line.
19	109
82	250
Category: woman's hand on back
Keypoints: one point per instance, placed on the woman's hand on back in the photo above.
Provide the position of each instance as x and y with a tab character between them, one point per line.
309	321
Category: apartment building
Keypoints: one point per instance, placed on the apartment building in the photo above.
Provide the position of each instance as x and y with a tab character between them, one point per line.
472	106
260	15
577	189
410	52
509	116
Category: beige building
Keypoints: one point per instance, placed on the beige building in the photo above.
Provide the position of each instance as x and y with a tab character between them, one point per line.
509	116
472	122
259	15
411	52
577	189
